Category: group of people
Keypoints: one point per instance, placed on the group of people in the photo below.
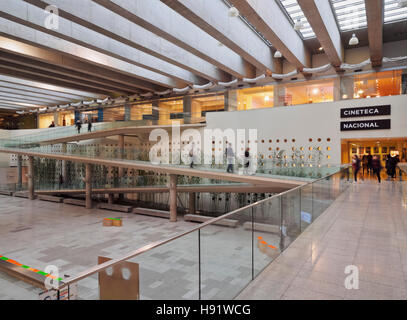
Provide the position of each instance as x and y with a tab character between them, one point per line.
372	165
230	158
78	125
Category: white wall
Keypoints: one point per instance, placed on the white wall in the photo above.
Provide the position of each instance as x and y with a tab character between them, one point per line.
316	121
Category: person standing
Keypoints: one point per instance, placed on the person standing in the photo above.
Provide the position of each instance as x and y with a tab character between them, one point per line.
191	155
369	163
78	126
377	167
230	158
246	164
90	126
355	167
364	164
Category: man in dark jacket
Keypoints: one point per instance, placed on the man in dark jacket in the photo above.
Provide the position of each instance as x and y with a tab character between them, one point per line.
377	167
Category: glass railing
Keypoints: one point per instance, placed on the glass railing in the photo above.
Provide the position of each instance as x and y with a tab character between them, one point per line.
218	258
63	132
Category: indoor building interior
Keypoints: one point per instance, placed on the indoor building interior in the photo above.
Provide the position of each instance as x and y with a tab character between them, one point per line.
218	165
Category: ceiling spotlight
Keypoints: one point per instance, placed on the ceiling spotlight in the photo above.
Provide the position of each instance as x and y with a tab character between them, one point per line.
402	4
321	48
298	25
278	54
266	98
233	12
354	40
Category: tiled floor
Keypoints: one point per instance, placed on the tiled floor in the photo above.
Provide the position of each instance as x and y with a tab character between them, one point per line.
38	233
365	227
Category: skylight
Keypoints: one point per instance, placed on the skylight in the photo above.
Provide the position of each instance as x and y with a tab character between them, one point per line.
350	14
295	13
392	12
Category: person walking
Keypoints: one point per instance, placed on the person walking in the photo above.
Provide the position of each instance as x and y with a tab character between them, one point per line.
364	164
78	126
230	158
191	155
369	163
377	167
89	126
355	167
246	164
389	167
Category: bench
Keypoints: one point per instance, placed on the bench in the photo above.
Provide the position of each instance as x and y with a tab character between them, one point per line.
75	202
6	193
21	194
224	222
114	207
271	228
152	212
50	198
24	273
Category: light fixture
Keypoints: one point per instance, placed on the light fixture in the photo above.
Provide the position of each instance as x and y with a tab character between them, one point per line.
360	91
267	98
233	12
298	25
345	96
278	54
402	4
321	49
315	91
220	44
354	40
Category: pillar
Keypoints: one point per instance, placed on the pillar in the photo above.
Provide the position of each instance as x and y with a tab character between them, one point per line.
155	111
173	197
127	112
19	171
186	105
191	207
56	118
30	176
88	183
231	100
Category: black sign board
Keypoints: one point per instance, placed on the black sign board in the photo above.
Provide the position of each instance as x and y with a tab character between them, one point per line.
370	111
365	125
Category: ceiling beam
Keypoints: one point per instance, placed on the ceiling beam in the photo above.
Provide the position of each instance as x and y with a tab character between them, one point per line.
52	76
55	58
375	19
47	89
29	99
24	60
99	19
322	20
34	17
30	95
266	16
213	18
158	18
20	32
15	72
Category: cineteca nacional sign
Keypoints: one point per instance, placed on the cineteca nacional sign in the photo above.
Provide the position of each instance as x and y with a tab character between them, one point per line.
363	112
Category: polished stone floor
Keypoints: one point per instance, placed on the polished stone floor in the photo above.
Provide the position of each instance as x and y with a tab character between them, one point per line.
39	233
365	227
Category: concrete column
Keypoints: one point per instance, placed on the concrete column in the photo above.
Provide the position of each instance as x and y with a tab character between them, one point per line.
173	197
30	176
231	100
187	109
88	182
56	118
191	207
127	113
110	198
19	171
155	112
347	88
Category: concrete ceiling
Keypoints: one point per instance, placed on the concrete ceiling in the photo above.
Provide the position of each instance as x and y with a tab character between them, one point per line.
118	48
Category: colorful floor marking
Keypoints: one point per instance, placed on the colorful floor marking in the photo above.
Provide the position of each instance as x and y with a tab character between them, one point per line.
117	219
264	242
29	268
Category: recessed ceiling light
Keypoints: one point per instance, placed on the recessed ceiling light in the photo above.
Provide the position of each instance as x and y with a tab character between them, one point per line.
278	54
321	48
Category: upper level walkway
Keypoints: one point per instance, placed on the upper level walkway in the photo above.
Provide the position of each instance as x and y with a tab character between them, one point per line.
365	227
